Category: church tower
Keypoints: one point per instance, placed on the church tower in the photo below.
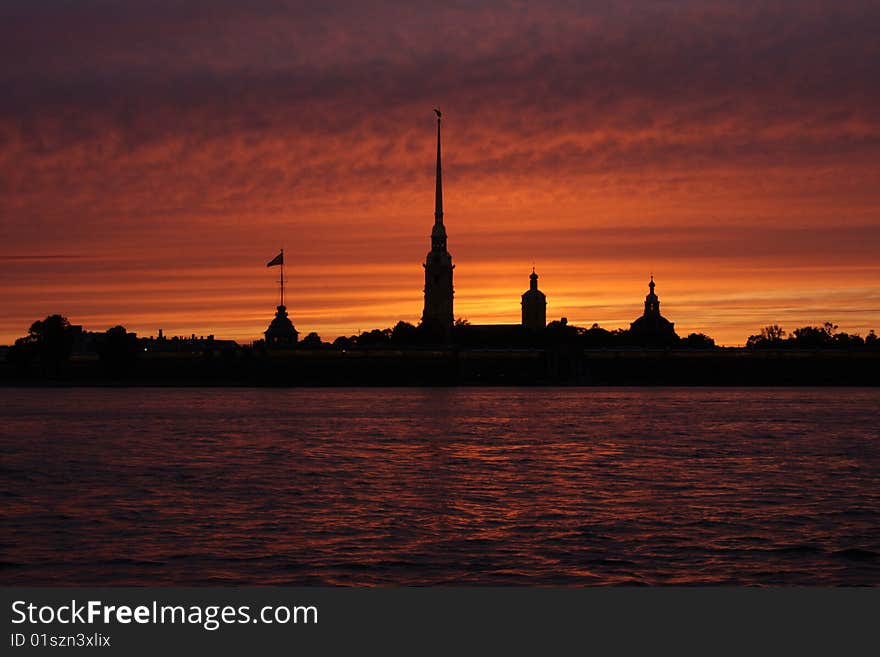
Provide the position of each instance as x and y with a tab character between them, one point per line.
437	314
652	327
534	306
652	303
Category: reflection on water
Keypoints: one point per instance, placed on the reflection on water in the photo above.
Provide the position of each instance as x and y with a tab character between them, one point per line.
440	486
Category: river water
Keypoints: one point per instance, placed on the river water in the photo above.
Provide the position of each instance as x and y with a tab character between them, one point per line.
427	486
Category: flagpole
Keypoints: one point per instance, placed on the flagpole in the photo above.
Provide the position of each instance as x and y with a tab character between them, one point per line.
282	277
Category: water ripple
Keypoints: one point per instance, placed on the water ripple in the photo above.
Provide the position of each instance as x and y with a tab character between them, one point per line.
440	486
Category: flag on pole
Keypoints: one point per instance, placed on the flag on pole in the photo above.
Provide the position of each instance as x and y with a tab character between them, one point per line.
277	260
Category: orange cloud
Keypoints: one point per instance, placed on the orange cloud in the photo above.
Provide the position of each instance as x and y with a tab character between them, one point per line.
731	149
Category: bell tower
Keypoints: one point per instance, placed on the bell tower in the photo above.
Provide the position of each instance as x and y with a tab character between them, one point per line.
534	305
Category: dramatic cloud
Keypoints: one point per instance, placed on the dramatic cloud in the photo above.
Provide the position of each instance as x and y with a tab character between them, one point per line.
169	148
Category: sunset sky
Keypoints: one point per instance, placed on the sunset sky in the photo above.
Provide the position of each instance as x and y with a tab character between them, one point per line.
154	155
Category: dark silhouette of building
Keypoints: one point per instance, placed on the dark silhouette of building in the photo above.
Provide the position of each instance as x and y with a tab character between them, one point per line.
437	315
534	306
281	332
184	344
652	326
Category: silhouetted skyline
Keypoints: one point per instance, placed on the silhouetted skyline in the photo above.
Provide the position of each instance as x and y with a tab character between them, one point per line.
733	153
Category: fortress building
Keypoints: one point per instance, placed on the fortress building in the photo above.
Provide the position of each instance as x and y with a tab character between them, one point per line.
534	306
281	332
437	315
652	327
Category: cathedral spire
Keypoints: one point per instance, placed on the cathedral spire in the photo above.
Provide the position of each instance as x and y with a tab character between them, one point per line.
438	195
438	265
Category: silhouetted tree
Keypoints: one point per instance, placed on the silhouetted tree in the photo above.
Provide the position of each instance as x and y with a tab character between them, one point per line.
697	341
847	341
595	337
343	342
462	321
311	341
22	354
405	333
52	339
770	336
813	336
871	339
118	350
559	331
374	338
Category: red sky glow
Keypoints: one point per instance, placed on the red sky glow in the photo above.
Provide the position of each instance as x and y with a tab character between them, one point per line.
155	155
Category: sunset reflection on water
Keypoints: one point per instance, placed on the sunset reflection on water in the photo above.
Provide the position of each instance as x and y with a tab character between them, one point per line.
440	486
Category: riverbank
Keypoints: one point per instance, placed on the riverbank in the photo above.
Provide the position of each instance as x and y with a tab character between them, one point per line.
449	366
